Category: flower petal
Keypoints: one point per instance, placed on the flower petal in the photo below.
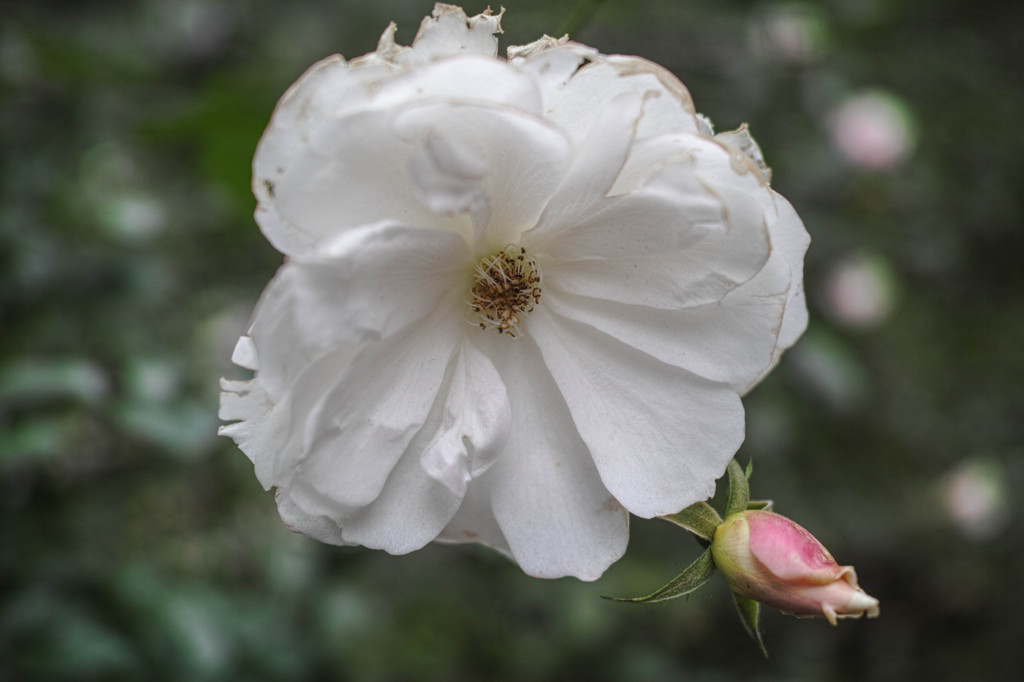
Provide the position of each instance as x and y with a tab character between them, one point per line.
595	166
696	257
449	31
474	521
742	141
328	89
465	79
524	156
575	103
790	240
374	280
278	350
551	61
353	173
714	163
465	432
557	515
283	428
474	421
731	340
317	527
411	510
659	435
360	429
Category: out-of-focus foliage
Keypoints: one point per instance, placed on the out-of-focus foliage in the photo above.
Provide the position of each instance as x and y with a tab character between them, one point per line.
137	545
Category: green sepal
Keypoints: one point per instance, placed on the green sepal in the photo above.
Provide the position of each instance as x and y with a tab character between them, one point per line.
692	577
761	505
749	611
739	490
699	518
750	468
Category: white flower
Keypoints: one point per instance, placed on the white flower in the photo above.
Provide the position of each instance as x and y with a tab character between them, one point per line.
521	298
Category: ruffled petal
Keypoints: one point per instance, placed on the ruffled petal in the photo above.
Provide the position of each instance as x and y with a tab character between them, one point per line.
449	31
374	280
317	527
284	427
356	434
548	499
276	347
524	157
742	141
474	521
685	245
575	102
328	89
353	172
473	422
790	240
410	512
659	435
446	33
731	340
255	427
713	162
464	434
595	166
469	79
459	440
551	61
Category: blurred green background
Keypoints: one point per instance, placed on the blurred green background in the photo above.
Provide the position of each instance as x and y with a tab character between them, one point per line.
136	545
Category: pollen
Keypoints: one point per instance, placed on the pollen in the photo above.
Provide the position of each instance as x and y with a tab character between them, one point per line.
506	286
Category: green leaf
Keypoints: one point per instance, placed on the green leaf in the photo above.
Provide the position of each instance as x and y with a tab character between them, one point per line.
750	468
700	518
749	611
739	491
692	577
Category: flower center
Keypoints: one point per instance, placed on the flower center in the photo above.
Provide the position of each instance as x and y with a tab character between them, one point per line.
506	285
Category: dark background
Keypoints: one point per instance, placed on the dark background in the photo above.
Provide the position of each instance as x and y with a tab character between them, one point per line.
135	544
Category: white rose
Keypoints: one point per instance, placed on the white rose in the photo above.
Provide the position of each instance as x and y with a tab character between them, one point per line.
520	299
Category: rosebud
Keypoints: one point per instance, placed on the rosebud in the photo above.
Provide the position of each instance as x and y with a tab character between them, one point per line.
766	557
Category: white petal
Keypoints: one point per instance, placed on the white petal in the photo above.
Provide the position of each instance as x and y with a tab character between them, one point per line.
317	527
731	340
657	257
283	429
447	177
790	240
595	166
466	430
256	429
575	104
659	435
277	343
372	281
741	140
550	61
327	89
794	313
716	164
410	512
525	157
557	515
362	427
353	172
474	521
467	79
473	424
449	31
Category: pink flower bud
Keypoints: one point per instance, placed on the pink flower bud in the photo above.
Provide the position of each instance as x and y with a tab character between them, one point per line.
768	558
